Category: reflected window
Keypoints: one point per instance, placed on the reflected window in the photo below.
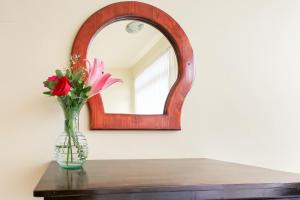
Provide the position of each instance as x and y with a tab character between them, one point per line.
152	86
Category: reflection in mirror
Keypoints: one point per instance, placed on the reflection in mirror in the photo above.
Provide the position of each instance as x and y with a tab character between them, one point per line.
143	58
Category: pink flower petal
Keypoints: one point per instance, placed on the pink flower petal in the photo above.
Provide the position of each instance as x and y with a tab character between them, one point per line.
88	64
96	72
97	79
111	81
97	87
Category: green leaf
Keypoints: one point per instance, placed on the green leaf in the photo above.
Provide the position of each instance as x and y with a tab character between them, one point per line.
47	93
68	73
59	73
77	75
83	96
51	84
87	89
73	95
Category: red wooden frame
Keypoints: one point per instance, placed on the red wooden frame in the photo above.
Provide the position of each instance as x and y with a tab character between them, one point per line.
170	119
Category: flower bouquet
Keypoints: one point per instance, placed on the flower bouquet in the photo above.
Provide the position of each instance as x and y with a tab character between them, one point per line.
73	88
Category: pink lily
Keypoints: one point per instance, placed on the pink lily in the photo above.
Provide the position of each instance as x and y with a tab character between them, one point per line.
97	79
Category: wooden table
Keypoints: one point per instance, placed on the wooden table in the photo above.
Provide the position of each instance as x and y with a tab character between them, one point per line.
176	179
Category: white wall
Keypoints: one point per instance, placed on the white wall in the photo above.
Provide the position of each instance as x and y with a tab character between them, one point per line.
244	105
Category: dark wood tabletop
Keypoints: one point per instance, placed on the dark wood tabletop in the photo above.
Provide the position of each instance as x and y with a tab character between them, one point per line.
166	179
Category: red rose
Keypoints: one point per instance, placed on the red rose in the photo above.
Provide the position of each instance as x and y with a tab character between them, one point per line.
62	87
52	78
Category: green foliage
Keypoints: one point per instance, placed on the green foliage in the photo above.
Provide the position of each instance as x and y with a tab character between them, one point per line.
47	93
59	73
51	84
68	73
77	76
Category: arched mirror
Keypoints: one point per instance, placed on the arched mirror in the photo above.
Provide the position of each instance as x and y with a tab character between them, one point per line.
143	58
150	52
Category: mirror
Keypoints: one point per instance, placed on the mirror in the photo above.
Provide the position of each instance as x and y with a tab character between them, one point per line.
144	101
143	58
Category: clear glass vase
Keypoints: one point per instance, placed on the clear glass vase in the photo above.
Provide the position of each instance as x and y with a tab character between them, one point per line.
71	147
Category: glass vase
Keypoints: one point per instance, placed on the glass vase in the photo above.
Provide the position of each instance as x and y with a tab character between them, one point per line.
71	147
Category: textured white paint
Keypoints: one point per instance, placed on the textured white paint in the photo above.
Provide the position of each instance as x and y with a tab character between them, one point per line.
244	105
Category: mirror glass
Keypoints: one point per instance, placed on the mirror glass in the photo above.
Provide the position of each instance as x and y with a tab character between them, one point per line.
143	58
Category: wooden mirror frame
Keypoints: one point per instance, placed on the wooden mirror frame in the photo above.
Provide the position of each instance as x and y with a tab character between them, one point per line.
170	119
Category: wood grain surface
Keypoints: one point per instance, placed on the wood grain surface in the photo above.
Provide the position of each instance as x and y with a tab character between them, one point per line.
167	179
